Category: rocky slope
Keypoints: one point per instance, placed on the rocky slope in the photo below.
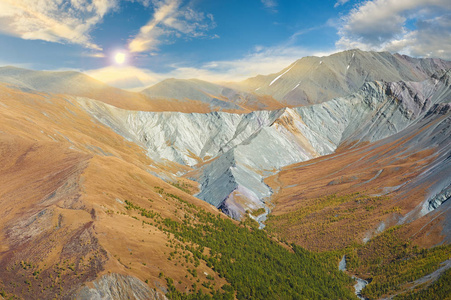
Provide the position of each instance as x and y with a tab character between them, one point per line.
232	153
400	180
317	79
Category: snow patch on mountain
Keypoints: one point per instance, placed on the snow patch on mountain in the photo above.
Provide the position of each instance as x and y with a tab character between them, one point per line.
277	78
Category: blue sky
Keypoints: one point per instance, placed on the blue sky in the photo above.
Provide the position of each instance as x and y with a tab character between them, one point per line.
210	39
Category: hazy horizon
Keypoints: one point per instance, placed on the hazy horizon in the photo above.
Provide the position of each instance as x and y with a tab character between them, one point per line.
135	44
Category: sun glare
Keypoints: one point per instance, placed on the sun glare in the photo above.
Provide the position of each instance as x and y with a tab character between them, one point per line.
119	58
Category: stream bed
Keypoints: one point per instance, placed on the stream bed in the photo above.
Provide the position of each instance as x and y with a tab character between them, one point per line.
360	283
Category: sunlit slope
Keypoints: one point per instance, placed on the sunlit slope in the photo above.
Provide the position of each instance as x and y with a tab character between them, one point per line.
218	97
309	80
78	84
313	79
65	179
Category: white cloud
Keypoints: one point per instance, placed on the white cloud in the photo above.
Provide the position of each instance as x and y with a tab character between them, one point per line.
431	39
71	21
382	25
171	19
340	2
54	20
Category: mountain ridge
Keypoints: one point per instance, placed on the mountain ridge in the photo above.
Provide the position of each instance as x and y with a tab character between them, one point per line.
214	94
306	81
342	73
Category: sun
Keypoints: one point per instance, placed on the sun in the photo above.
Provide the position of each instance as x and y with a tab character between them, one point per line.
119	58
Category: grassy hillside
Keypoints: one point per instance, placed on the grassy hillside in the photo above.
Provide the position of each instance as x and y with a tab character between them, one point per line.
80	203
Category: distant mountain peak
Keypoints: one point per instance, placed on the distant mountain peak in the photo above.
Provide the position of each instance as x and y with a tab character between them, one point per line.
317	79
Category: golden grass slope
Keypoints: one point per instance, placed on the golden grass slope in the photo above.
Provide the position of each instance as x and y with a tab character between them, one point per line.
64	179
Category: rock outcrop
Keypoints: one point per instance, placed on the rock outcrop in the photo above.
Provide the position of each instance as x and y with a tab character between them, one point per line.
117	286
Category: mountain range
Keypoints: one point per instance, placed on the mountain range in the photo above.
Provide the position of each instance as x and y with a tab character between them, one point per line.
166	193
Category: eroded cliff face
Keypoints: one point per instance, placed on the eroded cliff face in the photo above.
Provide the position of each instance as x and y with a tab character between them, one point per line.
230	154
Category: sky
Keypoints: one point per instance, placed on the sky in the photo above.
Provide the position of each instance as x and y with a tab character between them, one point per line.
132	44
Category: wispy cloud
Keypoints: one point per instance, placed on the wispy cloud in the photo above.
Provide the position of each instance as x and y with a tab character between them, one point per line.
148	37
93	55
270	4
340	2
171	19
265	60
382	25
301	32
54	21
